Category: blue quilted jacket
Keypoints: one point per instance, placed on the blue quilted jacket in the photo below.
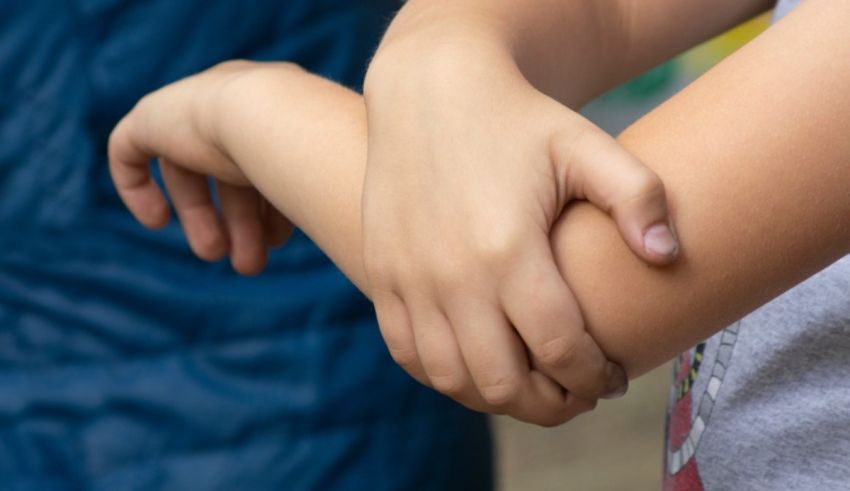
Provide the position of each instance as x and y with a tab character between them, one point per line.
125	363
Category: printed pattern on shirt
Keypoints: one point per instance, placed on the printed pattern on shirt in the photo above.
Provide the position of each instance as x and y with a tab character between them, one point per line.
686	424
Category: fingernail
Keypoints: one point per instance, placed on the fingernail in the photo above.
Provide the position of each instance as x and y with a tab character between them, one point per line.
618	382
658	239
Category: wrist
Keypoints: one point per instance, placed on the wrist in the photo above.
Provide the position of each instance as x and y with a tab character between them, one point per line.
430	52
218	107
222	112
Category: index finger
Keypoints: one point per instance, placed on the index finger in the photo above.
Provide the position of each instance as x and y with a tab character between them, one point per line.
129	166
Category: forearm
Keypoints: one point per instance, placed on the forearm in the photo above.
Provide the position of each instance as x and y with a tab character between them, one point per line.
570	50
310	167
758	189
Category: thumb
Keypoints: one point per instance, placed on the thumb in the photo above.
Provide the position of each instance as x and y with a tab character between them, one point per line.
595	167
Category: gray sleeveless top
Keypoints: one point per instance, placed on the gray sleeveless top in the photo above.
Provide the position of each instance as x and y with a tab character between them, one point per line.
765	404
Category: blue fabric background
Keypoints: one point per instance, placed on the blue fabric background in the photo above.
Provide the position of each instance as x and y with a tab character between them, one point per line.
125	363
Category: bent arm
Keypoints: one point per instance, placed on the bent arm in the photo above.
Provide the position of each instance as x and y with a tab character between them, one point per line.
756	160
571	50
754	155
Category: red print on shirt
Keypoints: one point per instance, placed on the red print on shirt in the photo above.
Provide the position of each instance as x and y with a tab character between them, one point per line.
690	412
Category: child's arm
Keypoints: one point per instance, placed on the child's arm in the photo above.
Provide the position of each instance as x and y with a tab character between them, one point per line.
174	124
572	51
302	141
497	162
756	158
294	136
472	159
754	154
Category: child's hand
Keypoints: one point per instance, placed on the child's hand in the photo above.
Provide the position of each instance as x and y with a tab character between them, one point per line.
177	125
469	166
319	187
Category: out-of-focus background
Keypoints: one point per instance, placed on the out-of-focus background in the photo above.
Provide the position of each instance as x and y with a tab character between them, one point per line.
616	447
619	445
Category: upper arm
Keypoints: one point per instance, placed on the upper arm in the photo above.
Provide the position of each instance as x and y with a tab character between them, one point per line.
659	29
639	34
756	160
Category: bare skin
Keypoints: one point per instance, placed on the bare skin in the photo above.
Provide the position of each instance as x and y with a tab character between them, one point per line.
467	138
758	188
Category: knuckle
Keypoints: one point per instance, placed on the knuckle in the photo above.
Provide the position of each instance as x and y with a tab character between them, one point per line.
378	271
448	277
560	352
384	273
647	187
502	392
564	144
494	248
389	268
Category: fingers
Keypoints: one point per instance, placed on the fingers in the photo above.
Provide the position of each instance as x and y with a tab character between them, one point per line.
277	228
442	362
129	165
597	168
190	195
546	315
247	225
571	405
438	351
454	336
394	323
241	214
241	229
499	367
491	349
